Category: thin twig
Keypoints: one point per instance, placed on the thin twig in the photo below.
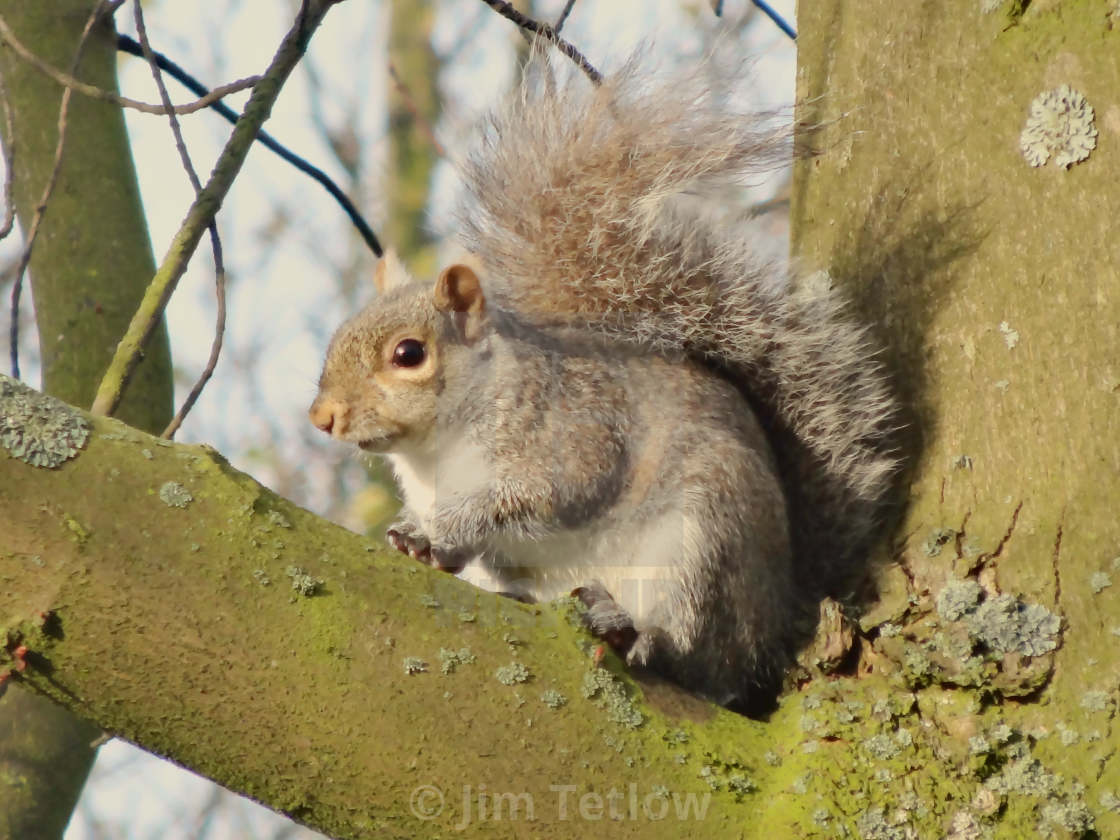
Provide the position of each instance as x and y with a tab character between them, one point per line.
410	103
545	31
44	199
560	21
126	44
215	240
202	211
9	160
68	81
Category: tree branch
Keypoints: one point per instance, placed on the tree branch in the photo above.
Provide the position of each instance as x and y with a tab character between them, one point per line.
544	30
206	205
48	188
215	239
68	81
164	608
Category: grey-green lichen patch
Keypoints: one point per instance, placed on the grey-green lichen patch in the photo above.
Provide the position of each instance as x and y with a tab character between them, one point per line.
1026	776
512	674
1095	701
1010	336
1074	816
979	745
37	429
957	598
174	494
961	462
429	600
1099	581
609	692
1007	625
876	824
303	582
937	539
964	826
1067	736
740	784
450	660
553	698
414	665
278	519
1060	124
1110	801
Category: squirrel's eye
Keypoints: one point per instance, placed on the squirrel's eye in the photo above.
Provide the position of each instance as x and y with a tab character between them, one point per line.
408	353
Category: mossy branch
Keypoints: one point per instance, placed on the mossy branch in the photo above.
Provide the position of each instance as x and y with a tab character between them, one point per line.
151	588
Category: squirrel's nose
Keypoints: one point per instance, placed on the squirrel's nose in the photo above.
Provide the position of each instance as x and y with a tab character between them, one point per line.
329	415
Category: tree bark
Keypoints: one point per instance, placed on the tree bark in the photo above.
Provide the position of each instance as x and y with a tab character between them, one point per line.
180	628
996	286
91	261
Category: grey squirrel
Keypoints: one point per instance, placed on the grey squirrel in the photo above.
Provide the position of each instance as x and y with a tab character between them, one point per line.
614	396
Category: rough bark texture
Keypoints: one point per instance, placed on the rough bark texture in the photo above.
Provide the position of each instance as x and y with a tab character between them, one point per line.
996	286
92	258
91	262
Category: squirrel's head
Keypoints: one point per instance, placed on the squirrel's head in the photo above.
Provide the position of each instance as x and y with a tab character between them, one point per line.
386	367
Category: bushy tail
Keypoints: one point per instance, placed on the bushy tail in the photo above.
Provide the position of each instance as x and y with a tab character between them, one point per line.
593	205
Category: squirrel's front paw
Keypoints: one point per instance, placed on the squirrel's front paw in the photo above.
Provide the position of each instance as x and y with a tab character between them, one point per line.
405	538
606	618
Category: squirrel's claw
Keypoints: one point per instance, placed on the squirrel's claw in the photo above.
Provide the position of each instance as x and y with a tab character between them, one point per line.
606	618
403	537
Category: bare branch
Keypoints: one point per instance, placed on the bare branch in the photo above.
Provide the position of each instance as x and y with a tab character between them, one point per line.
544	30
215	240
126	44
560	21
9	161
44	200
68	81
202	211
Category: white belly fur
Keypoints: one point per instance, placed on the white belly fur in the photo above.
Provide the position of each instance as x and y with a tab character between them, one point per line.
637	563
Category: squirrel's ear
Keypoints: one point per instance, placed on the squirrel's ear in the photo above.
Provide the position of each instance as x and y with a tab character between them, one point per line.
459	291
390	272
